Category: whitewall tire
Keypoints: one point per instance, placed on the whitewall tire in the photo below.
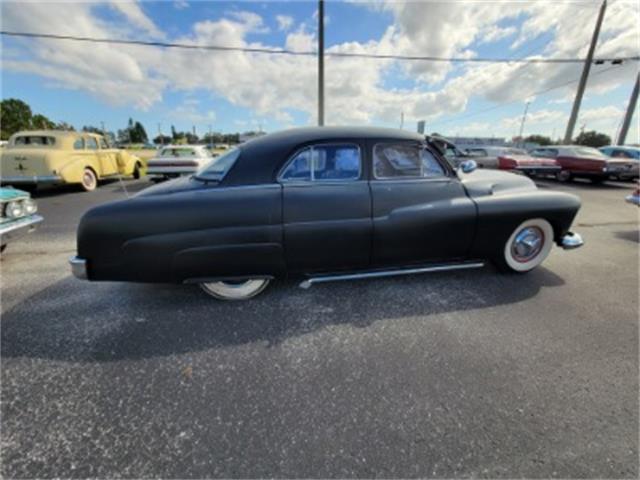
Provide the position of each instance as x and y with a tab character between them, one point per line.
89	180
241	290
528	246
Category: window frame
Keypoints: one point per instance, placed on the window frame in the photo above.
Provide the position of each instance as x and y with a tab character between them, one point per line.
86	144
312	180
82	145
446	174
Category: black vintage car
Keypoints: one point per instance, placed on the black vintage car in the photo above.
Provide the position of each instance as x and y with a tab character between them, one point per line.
323	204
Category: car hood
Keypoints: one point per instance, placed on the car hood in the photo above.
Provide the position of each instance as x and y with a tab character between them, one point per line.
494	182
8	194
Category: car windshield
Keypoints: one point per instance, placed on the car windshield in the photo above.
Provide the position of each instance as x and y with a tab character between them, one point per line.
217	168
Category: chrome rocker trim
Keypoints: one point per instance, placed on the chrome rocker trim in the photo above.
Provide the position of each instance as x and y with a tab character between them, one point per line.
389	273
79	267
572	240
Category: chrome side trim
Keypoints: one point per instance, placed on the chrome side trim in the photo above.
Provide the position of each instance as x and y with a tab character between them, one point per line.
390	273
572	240
31	179
79	267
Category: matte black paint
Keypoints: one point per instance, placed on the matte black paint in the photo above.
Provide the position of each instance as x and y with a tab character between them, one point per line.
250	225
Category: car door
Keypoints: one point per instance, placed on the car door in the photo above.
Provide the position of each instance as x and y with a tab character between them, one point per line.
421	212
106	160
94	158
326	209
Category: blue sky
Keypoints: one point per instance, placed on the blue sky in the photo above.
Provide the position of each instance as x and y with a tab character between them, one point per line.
85	84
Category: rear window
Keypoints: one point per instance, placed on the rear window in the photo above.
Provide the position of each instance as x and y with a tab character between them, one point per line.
178	152
217	168
34	140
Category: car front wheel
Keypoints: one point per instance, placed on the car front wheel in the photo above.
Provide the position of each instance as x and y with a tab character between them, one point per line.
235	290
527	247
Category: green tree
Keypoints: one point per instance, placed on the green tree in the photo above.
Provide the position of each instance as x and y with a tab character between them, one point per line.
91	129
41	122
65	126
162	140
174	134
138	133
593	139
15	115
539	139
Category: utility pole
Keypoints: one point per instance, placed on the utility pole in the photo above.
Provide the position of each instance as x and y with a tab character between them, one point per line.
633	101
160	134
401	120
102	127
585	75
320	63
210	142
524	118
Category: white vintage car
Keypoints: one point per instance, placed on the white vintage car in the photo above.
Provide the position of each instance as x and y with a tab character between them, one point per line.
177	160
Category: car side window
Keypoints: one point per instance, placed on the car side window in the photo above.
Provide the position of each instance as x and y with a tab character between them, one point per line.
91	143
620	154
78	144
397	161
299	167
103	144
324	163
430	166
335	162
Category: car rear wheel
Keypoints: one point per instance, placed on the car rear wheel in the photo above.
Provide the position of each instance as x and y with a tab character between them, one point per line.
137	171
527	247
89	180
235	290
563	176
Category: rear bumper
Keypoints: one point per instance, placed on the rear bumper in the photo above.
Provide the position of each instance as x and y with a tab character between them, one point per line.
173	171
79	267
571	241
18	228
31	180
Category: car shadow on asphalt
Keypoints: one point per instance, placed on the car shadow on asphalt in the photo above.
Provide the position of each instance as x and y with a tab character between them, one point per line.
631	235
100	322
112	185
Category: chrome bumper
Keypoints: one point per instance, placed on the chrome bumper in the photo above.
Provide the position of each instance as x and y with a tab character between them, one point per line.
572	240
79	267
17	228
33	179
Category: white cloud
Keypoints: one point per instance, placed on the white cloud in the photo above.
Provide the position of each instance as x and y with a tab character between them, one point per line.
180	4
284	22
356	92
134	14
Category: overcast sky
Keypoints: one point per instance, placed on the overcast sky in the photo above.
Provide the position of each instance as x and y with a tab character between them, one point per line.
85	84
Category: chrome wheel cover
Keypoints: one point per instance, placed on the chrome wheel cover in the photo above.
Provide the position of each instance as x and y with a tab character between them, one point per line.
527	244
232	290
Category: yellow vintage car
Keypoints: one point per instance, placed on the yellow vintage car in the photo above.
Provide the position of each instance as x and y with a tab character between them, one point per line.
42	157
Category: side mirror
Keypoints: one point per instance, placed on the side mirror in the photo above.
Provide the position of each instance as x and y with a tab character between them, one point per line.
468	166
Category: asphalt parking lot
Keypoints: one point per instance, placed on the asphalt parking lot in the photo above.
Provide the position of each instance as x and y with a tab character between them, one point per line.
445	375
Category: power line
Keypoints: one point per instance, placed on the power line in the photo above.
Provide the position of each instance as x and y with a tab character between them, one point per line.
281	51
541	92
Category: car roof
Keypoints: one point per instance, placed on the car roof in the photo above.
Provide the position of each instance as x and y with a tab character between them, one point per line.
261	157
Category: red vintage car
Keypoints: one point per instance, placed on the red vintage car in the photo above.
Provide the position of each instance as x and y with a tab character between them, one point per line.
515	159
577	161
